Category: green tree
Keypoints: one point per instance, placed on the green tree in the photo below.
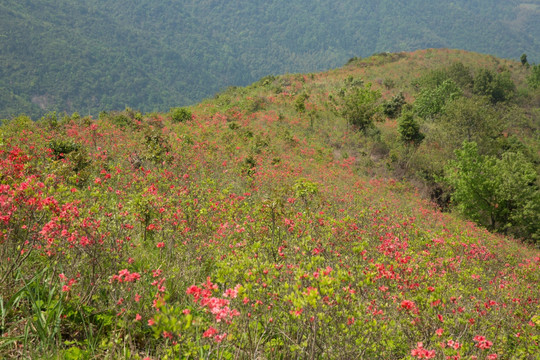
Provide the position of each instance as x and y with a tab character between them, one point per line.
392	107
483	82
497	87
180	114
430	102
360	106
300	103
432	79
409	129
523	59
460	74
470	119
501	194
503	88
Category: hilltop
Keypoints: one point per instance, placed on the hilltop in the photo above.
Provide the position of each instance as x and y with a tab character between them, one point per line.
90	56
298	217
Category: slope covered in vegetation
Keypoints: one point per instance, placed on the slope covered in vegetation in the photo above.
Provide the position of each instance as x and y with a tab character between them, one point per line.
272	221
95	55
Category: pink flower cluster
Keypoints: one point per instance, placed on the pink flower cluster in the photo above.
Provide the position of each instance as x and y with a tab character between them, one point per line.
482	343
409	306
219	307
125	276
422	353
451	343
66	287
212	332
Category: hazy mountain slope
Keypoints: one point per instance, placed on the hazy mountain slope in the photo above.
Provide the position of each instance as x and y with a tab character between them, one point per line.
69	56
101	54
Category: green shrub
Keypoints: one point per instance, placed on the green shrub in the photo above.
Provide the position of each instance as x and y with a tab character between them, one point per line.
534	78
180	114
524	60
409	130
61	148
431	80
497	87
461	75
300	103
157	147
471	119
360	106
392	107
122	119
430	102
501	194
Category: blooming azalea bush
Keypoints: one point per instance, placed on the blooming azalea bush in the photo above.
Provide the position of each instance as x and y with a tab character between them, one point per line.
204	325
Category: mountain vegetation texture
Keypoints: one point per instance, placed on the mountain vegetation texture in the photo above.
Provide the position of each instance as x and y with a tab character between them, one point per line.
94	55
296	218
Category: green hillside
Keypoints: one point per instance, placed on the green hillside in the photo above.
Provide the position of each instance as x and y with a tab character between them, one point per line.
295	218
94	55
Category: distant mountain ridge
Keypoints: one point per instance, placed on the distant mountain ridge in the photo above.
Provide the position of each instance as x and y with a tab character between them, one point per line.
100	54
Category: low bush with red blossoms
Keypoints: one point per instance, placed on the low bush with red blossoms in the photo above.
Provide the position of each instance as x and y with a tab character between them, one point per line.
125	276
482	342
421	353
219	307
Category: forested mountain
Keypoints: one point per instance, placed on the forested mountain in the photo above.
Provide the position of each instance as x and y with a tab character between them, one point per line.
86	56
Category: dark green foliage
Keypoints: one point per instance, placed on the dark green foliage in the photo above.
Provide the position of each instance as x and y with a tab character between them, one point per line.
50	120
233	125
461	75
392	107
351	81
180	114
353	60
511	143
524	60
409	129
265	81
497	87
157	147
121	120
503	88
483	82
249	166
61	148
259	142
77	168
256	104
300	103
